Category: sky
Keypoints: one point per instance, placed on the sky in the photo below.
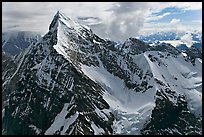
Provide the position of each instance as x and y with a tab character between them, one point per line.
112	20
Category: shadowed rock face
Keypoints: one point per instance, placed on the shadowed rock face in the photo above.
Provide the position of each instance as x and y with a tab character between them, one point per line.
170	119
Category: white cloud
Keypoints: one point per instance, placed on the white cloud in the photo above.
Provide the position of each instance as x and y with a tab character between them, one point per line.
175	25
40	14
158	6
187	38
188	5
174	21
126	20
113	20
154	17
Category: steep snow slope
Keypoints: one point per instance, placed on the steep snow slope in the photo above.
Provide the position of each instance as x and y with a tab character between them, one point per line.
128	104
182	77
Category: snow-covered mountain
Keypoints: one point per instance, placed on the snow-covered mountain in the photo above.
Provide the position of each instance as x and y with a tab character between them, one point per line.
158	36
14	42
74	82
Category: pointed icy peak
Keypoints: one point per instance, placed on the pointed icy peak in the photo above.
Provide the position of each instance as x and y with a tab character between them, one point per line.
64	20
58	12
60	15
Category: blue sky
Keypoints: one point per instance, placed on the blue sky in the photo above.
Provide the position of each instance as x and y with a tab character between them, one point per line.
183	15
113	20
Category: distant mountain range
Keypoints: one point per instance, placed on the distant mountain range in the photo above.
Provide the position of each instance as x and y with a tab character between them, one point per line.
167	36
173	39
14	42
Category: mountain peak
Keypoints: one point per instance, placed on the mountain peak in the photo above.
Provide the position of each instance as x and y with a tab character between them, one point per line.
60	15
62	19
58	12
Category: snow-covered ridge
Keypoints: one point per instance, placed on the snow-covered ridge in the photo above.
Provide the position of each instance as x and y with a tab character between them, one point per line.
125	104
66	20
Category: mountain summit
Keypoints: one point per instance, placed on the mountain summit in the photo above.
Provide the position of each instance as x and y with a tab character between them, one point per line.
60	18
73	82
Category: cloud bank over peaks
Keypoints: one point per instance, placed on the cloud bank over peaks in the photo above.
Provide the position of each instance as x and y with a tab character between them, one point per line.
187	38
126	20
113	20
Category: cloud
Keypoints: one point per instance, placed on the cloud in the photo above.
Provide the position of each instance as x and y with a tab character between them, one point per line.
114	20
187	5
158	6
175	25
89	21
40	14
154	17
174	21
187	38
126	20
